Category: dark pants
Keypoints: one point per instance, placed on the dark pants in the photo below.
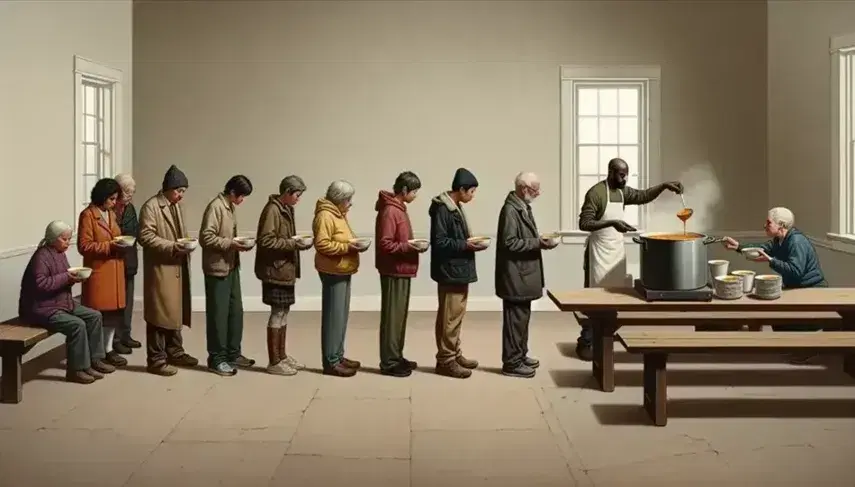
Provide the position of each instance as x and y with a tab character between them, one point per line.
123	331
162	344
586	335
335	309
223	317
516	316
84	341
394	307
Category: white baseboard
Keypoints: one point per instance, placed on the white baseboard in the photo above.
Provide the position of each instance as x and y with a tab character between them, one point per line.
252	304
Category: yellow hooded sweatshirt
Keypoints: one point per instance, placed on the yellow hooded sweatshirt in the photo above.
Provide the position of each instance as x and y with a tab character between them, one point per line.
332	241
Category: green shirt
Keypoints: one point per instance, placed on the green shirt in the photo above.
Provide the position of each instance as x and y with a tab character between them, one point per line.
594	206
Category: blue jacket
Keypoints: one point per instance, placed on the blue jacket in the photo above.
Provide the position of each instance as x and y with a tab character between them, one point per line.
795	259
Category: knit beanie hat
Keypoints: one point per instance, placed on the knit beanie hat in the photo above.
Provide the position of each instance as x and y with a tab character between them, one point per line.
463	178
174	179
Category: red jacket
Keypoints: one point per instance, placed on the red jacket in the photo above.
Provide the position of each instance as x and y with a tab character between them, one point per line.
393	255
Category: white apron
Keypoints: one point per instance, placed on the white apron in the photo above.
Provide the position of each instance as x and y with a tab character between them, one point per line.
606	250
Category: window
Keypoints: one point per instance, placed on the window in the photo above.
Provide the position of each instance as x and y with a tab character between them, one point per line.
843	135
97	140
606	112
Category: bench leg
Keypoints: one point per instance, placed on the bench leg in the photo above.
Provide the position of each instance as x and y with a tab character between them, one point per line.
603	348
655	396
848	324
11	386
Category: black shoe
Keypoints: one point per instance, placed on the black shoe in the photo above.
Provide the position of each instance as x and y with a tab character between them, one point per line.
410	364
130	342
399	370
522	370
531	362
121	348
242	361
584	352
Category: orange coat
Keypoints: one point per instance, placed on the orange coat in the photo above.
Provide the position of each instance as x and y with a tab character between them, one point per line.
105	289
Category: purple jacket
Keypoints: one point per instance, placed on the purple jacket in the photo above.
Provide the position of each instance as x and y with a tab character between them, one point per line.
45	287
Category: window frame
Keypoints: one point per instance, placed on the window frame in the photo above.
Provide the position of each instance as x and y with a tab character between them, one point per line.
842	52
649	139
91	72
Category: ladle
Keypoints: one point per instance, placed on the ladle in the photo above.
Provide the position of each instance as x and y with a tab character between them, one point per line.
685	213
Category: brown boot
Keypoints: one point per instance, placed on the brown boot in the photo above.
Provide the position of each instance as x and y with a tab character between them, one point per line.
184	360
351	364
274	345
94	373
453	370
102	367
79	376
164	370
340	370
116	360
467	363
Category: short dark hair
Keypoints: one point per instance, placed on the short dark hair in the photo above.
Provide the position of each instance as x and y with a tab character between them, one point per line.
292	184
240	185
407	180
103	189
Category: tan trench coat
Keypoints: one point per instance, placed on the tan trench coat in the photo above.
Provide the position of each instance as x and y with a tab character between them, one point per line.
166	275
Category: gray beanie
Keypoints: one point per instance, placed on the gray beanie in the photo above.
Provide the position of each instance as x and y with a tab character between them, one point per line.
174	179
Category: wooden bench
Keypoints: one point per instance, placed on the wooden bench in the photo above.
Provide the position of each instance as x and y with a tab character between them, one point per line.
16	339
656	345
754	320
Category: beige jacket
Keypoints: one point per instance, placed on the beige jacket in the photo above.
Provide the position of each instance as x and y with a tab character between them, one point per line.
219	228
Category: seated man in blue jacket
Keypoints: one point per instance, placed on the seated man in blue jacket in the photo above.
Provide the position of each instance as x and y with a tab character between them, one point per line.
789	253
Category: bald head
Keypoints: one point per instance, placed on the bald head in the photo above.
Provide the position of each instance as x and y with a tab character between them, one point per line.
618	172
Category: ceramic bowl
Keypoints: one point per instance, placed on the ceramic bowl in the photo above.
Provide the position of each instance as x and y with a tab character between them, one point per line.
188	243
718	268
747	280
125	240
245	242
481	242
751	252
304	240
362	243
81	272
768	286
420	244
728	287
551	238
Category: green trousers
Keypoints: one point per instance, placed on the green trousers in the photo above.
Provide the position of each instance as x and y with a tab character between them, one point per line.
223	317
394	305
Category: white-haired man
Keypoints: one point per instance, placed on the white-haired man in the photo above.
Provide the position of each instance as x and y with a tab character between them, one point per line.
789	253
519	273
126	217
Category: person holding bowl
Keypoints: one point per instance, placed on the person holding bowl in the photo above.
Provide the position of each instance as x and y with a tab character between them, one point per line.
126	216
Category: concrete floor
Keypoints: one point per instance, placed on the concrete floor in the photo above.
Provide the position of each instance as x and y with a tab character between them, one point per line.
747	422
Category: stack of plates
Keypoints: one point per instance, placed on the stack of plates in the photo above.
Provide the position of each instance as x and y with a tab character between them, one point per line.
728	287
767	286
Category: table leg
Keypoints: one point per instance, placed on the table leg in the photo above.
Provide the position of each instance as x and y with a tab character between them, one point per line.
603	348
848	324
655	387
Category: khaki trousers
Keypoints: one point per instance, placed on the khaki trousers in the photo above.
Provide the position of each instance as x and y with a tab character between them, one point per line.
449	320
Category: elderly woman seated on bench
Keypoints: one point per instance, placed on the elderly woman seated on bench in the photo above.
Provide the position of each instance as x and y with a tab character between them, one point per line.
789	253
46	301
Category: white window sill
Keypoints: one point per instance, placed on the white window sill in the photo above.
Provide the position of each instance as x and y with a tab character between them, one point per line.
840	242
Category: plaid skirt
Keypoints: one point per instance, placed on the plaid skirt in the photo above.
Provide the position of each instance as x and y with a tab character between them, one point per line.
277	295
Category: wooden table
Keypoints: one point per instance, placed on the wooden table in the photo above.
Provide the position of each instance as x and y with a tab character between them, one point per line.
604	304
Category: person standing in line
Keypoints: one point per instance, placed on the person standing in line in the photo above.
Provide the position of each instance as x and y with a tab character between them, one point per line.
129	225
104	291
452	267
397	261
277	266
221	266
166	276
519	273
603	215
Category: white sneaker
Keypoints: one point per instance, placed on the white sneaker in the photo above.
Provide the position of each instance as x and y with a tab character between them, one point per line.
282	368
293	363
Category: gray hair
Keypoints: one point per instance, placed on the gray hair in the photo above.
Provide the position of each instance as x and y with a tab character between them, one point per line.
54	230
783	217
292	184
340	191
526	180
125	180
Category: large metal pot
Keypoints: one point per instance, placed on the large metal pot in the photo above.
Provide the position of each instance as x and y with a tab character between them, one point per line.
673	261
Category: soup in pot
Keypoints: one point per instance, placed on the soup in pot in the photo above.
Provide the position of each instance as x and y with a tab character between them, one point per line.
674	237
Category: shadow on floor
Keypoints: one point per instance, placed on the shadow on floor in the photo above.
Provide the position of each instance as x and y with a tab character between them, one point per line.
568	349
631	414
812	377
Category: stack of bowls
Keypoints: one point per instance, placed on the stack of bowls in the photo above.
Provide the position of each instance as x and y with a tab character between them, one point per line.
768	286
728	287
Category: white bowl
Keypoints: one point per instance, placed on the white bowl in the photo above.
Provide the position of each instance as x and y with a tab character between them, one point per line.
751	252
80	272
551	238
420	244
245	242
361	243
125	241
480	242
304	240
188	243
718	267
747	279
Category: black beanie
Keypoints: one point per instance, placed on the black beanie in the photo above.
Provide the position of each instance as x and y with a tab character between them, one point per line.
174	179
463	178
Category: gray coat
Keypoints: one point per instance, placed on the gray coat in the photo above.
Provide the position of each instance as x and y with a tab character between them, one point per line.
519	265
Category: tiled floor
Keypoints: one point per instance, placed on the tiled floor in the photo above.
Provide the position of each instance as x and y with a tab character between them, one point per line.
747	422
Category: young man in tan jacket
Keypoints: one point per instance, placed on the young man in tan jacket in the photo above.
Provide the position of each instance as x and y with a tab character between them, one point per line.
221	266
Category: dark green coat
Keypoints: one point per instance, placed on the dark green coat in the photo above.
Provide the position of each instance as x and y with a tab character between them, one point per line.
130	226
519	264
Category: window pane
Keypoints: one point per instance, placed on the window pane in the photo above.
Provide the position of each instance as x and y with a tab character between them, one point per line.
88	184
89	99
89	129
608	101
607	153
629	153
628	130
587	130
585	183
587	101
632	215
90	156
587	160
628	101
632	181
608	130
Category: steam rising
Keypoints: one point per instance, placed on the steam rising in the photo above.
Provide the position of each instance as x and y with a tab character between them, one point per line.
702	193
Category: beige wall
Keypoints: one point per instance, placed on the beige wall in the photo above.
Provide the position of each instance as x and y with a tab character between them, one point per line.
799	103
364	90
